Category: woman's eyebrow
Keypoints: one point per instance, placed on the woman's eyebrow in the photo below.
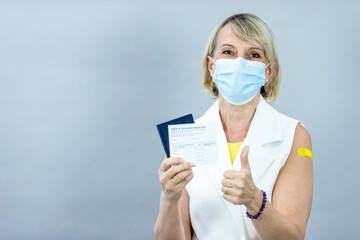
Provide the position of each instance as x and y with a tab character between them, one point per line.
255	48
227	44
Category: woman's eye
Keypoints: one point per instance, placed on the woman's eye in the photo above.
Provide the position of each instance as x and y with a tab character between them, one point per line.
228	52
254	55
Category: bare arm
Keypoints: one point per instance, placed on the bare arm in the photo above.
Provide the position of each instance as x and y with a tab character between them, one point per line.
173	220
185	214
287	216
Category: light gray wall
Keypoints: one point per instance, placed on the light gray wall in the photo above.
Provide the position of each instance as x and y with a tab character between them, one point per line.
83	84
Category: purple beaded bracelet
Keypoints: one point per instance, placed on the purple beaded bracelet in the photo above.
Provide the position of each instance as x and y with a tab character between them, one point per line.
261	209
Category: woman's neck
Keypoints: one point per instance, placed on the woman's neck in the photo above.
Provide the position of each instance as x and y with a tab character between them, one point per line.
236	120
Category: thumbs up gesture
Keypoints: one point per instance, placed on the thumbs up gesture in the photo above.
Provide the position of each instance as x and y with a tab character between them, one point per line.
238	186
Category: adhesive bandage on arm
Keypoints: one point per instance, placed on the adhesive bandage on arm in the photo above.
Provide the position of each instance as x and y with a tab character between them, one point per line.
304	152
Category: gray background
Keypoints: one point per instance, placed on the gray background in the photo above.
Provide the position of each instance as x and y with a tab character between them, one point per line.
83	84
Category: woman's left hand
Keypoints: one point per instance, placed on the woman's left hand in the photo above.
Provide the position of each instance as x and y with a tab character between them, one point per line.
238	186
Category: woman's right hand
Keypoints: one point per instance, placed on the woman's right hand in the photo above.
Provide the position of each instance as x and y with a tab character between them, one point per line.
174	174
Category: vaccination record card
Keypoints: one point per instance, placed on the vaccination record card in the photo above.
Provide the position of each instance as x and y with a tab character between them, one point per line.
195	142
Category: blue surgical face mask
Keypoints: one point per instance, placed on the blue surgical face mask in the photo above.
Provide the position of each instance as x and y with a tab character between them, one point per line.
239	80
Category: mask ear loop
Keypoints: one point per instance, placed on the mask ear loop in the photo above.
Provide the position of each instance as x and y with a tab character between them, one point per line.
213	59
267	80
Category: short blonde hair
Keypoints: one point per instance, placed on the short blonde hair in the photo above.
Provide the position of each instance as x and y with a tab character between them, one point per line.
252	29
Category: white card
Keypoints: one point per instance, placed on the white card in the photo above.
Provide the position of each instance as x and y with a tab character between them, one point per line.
194	142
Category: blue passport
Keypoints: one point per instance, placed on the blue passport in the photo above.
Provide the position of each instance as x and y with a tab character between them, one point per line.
164	132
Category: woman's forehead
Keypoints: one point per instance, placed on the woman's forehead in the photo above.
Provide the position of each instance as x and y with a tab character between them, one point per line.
226	36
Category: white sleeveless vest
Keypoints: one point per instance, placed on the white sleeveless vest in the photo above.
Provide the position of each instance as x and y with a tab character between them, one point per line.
270	139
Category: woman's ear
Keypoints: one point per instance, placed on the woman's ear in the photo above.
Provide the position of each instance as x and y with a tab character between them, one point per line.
211	65
269	72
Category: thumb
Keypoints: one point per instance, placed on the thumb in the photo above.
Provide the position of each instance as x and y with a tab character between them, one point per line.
244	158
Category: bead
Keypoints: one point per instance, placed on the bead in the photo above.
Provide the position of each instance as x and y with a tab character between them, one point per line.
261	209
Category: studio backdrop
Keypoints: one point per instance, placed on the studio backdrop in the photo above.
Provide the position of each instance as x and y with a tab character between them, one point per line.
84	83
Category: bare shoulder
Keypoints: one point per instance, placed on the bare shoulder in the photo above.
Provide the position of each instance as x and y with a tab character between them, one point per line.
298	164
302	136
293	190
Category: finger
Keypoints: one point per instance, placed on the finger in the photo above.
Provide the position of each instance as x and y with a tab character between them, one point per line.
181	176
185	181
181	185
228	182
165	165
230	198
227	190
231	174
171	172
231	190
244	158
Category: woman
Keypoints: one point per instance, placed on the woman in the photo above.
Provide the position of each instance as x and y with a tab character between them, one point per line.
262	187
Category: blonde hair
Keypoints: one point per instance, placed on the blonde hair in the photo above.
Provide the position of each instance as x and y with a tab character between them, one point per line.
252	29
